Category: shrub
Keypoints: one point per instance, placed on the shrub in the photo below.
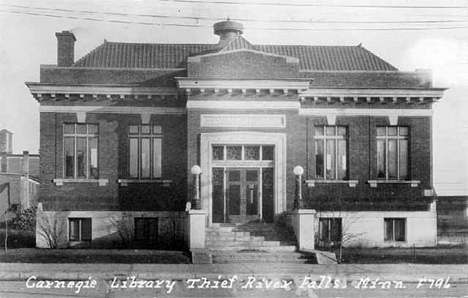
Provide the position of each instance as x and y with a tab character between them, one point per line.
18	238
25	220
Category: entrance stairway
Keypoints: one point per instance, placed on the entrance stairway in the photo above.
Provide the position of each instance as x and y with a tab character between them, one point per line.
254	243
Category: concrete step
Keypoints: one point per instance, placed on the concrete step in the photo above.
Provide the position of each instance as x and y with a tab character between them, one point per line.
263	257
228	238
258	237
257	248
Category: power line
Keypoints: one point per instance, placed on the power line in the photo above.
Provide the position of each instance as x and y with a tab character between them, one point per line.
248	27
310	21
313	5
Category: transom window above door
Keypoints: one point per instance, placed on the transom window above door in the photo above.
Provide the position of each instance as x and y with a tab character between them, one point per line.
243	152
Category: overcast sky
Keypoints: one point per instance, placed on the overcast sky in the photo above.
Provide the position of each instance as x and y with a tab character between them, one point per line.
435	38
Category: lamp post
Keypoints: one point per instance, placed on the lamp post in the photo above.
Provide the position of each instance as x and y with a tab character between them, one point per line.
298	203
196	171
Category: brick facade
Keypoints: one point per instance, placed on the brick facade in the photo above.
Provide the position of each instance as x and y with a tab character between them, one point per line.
303	86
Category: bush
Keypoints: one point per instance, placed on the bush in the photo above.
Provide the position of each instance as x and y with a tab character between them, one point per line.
18	238
25	220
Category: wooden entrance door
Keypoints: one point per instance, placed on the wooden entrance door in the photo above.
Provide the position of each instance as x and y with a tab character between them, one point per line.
242	194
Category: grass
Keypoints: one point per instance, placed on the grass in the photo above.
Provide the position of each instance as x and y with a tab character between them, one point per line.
113	256
431	255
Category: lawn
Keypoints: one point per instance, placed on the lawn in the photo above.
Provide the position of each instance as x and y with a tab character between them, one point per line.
431	255
37	255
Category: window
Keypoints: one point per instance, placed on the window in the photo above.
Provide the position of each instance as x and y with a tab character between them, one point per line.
330	230
392	152
395	229
245	153
331	150
145	151
80	151
146	229
79	229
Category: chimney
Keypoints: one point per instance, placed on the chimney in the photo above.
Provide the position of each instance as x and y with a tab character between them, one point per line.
65	48
4	164
425	76
227	31
26	162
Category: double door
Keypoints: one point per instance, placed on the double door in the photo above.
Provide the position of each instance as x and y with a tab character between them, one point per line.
244	196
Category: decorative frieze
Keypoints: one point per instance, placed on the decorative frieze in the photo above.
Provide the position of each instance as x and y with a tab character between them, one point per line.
242	120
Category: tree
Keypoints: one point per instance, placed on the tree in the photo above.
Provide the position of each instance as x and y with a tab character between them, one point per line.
336	219
123	226
50	226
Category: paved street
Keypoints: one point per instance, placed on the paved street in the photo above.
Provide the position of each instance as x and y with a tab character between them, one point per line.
232	280
18	289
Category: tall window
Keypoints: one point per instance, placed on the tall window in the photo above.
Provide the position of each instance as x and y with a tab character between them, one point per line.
145	142
81	151
331	150
395	229
330	230
79	229
392	152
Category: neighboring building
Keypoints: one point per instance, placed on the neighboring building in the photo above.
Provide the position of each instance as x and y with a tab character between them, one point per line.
452	220
6	141
19	181
121	128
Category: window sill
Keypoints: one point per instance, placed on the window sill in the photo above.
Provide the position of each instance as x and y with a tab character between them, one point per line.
351	183
60	182
414	183
125	182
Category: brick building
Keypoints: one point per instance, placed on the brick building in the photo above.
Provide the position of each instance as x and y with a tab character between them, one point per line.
122	128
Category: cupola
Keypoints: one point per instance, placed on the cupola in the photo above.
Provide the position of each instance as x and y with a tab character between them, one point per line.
227	31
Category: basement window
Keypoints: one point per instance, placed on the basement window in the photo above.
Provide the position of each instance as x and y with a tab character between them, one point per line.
395	229
330	231
79	229
146	229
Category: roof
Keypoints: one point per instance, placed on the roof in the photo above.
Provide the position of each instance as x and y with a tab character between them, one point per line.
311	58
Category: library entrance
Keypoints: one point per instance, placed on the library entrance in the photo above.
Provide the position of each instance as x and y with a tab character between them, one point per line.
242	183
242	194
243	176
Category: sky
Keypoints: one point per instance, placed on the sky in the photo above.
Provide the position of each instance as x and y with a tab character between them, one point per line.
415	34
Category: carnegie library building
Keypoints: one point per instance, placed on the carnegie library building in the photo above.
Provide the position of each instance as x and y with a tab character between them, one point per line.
234	146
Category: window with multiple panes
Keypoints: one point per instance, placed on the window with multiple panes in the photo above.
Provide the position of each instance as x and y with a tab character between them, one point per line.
330	230
79	229
80	151
146	229
392	152
244	152
145	151
395	229
331	151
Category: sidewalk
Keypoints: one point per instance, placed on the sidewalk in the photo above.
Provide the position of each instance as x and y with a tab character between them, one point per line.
403	272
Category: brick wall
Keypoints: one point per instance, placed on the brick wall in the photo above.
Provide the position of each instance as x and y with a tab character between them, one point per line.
245	65
362	154
112	162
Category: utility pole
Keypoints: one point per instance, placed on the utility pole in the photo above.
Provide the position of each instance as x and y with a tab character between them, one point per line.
6	217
